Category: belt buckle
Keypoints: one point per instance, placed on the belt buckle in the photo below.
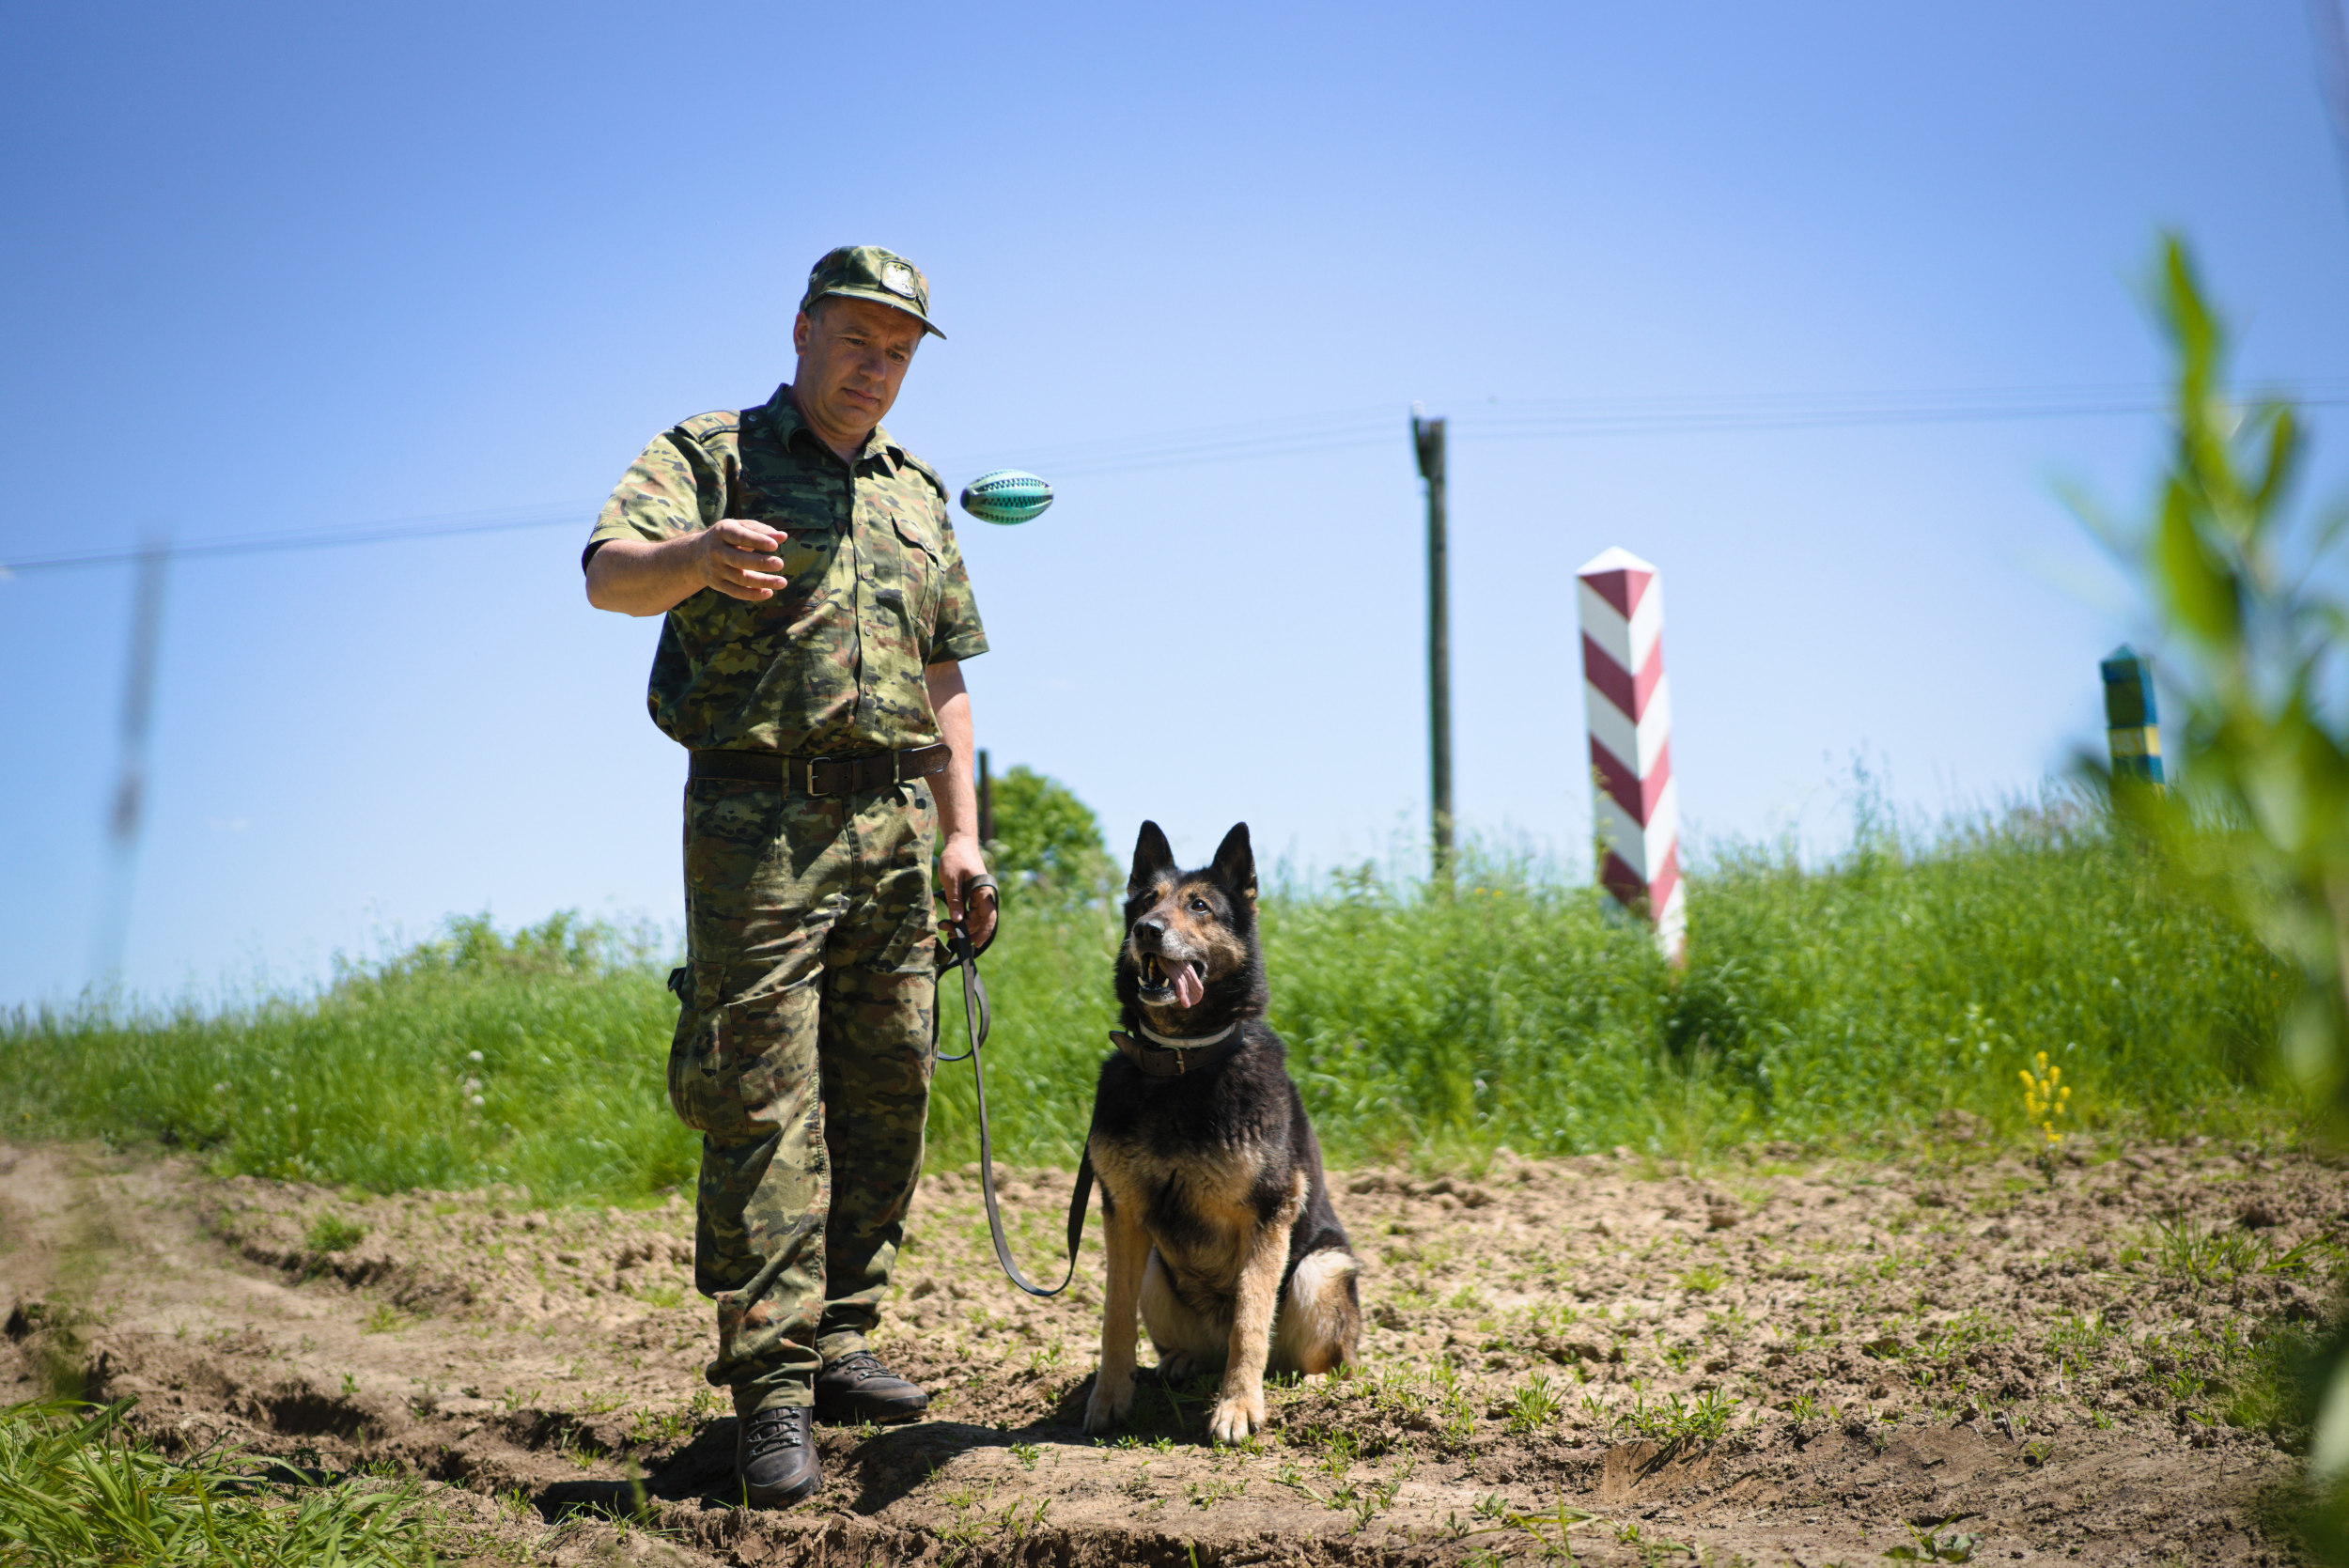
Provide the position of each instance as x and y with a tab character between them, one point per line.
897	767
812	763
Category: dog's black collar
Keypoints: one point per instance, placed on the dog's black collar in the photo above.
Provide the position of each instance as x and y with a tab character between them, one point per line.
1188	1042
1158	1060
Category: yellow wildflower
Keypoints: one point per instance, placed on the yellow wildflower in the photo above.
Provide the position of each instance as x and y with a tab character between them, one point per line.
2046	1097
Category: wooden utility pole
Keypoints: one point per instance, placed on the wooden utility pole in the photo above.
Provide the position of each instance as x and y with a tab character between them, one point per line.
1427	440
986	803
126	814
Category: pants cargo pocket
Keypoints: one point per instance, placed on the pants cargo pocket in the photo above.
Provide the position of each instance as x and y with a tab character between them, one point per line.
740	1070
698	1052
693	1062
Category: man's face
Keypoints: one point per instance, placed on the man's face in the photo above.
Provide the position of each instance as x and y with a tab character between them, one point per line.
853	356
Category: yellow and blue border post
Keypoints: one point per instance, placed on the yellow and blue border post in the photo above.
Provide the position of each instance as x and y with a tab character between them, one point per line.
2132	726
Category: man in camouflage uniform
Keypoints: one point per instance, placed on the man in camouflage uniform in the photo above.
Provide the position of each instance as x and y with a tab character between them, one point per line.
818	615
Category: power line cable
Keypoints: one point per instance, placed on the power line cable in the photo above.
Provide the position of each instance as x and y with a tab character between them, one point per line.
390	531
1342	430
1584	418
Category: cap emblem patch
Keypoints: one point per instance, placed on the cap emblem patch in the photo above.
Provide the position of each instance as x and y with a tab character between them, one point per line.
898	279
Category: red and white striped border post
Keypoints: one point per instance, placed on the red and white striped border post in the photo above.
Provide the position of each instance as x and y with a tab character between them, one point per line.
1635	806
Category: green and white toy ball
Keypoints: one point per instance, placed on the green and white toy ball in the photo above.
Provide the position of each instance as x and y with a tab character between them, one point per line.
1007	496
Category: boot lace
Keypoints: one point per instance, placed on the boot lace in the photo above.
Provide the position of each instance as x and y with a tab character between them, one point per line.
768	1430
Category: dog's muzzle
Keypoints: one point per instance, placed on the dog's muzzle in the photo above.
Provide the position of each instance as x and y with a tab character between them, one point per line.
1167	980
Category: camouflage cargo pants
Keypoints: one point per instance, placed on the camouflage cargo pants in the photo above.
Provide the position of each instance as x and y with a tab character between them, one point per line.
802	1057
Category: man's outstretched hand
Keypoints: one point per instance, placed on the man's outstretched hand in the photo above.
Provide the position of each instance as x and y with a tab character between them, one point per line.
958	862
738	558
646	577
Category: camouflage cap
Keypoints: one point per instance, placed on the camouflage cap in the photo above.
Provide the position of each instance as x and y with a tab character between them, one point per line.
869	272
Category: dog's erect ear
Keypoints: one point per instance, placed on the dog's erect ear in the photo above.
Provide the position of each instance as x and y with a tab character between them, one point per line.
1235	863
1152	855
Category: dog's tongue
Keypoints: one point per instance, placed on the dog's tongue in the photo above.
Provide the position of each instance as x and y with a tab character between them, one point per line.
1188	990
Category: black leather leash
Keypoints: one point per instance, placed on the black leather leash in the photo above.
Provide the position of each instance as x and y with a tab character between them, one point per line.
960	955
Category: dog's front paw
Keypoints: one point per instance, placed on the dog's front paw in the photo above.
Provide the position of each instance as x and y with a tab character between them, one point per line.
1113	1399
1237	1417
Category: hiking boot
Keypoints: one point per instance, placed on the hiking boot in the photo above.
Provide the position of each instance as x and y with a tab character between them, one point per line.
774	1453
857	1387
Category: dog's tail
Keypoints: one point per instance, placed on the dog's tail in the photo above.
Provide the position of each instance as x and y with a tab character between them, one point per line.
1321	1313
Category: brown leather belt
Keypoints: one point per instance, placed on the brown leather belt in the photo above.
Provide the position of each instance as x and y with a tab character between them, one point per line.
823	775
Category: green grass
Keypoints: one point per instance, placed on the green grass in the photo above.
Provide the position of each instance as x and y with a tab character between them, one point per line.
1535	1407
1827	1006
2218	1255
1821	1007
558	1031
77	1489
1672	1419
331	1232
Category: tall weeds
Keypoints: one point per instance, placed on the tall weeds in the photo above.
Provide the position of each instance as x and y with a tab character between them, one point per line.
1824	1005
529	1060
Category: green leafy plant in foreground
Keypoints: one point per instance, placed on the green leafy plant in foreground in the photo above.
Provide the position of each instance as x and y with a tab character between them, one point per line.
2259	643
76	1488
2261	810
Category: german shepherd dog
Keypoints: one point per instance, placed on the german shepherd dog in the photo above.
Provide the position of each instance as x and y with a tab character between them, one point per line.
1220	1228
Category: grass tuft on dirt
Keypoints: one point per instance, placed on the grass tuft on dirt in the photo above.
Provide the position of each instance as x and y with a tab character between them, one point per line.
1903	984
78	1487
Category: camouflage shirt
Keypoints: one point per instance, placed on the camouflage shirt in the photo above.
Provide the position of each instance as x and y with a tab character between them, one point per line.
832	663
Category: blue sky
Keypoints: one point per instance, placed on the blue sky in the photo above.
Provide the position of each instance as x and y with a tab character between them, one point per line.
283	268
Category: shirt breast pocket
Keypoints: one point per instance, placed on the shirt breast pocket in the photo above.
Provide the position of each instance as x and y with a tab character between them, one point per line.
806	552
922	567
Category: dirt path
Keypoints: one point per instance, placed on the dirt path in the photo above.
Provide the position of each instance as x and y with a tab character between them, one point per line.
1791	1364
